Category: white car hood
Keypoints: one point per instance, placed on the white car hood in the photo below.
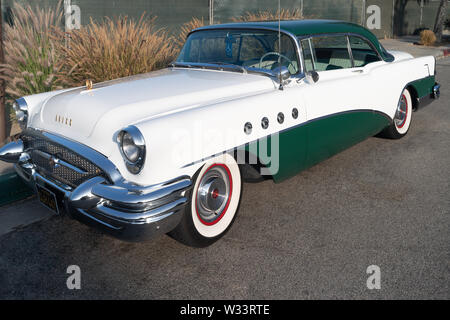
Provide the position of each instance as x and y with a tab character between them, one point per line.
92	116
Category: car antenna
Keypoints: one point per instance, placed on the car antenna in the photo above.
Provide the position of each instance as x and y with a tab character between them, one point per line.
279	45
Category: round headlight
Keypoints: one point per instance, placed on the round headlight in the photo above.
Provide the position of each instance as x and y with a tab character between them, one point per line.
129	148
132	147
21	108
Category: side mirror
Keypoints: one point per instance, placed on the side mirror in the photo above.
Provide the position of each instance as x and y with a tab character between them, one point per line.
312	76
282	73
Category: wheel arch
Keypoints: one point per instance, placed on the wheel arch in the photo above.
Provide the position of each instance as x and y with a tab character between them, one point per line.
414	96
250	170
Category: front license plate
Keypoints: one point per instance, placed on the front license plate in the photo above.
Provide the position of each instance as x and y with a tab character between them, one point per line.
47	198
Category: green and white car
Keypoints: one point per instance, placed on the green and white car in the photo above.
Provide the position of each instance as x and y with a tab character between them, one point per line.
167	151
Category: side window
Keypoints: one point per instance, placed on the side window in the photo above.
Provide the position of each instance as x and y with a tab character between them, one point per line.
362	52
307	55
331	53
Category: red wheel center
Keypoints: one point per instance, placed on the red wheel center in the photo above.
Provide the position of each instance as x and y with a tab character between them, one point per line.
406	113
215	194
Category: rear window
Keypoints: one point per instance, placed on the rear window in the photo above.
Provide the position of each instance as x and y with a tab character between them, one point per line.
331	53
362	52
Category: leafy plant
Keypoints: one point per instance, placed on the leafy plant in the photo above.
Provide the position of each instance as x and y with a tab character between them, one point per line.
30	54
113	48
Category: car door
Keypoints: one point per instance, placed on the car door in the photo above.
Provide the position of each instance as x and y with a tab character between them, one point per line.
337	113
284	110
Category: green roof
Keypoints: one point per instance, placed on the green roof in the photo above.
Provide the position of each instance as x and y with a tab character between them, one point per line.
307	27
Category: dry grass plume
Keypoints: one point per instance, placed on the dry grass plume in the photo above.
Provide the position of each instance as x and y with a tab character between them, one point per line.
114	48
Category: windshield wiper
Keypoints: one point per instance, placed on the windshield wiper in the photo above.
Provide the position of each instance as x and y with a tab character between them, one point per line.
243	69
208	65
180	65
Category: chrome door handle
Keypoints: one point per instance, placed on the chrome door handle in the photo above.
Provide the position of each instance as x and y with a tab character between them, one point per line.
358	71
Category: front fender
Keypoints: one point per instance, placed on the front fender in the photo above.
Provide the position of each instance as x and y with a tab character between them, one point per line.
179	144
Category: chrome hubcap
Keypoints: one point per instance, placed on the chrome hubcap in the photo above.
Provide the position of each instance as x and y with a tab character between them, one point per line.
213	194
402	112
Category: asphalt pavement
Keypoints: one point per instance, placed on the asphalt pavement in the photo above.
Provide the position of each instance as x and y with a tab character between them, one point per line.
381	202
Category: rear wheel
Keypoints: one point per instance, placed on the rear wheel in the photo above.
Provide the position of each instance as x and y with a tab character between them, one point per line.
215	200
402	119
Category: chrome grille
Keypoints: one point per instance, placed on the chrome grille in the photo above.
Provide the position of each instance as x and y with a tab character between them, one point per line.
58	162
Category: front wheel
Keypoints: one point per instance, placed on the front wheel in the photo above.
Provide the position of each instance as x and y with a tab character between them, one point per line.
402	119
215	200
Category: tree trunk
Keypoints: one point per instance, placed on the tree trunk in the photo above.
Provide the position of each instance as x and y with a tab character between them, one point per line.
399	17
3	115
440	19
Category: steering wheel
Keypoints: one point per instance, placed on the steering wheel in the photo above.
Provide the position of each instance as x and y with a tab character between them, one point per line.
275	54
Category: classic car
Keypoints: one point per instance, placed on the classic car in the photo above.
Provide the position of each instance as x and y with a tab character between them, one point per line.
167	152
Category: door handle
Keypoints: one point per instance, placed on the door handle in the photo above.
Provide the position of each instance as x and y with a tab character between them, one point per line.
358	71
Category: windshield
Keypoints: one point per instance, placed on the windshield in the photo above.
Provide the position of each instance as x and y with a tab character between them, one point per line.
250	49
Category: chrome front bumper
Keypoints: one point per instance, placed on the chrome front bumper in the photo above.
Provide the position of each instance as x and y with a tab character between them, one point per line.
122	209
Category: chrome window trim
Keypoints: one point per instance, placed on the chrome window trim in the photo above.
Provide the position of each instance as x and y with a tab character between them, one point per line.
350	51
298	47
313	54
348	35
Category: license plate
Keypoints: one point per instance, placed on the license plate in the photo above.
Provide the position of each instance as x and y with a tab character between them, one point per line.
47	198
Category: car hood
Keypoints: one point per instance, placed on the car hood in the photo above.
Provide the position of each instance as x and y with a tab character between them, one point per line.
91	116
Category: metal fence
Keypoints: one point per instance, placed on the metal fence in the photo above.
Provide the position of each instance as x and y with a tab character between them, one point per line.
384	17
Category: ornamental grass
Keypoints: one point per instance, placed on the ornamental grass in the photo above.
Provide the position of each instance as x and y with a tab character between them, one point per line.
113	48
267	15
31	58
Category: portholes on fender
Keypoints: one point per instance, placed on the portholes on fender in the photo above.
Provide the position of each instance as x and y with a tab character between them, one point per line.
248	128
280	118
265	123
295	113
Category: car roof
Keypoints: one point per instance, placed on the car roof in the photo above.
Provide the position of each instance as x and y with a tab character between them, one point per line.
307	27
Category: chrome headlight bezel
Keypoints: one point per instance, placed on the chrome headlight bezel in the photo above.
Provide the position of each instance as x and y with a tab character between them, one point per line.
20	107
132	134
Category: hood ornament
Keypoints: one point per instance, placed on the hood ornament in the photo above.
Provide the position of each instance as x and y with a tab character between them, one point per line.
89	84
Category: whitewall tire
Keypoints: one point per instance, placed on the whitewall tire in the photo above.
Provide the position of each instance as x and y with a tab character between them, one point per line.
214	203
402	118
